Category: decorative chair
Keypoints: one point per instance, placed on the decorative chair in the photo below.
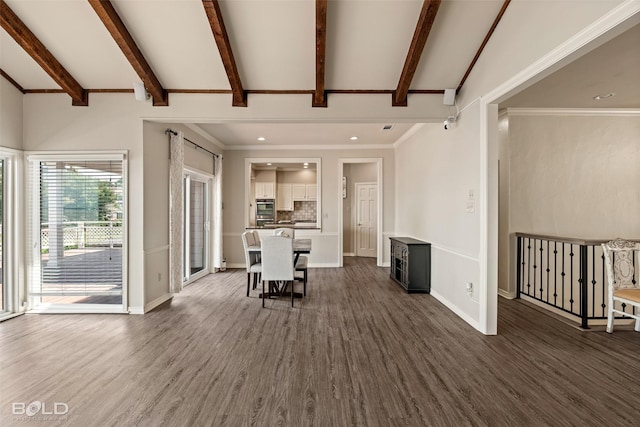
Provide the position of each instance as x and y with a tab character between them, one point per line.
253	264
301	264
277	264
256	240
623	282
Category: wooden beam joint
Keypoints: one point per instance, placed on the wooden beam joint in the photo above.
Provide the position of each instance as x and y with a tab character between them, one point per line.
214	15
420	35
114	24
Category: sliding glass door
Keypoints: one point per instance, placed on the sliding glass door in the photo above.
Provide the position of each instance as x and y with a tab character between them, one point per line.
78	229
196	226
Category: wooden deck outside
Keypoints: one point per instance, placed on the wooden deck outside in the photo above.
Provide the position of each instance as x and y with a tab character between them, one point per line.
356	351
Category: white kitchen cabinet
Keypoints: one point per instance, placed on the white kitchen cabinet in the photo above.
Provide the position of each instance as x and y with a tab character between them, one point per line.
312	191
284	199
265	190
303	192
299	191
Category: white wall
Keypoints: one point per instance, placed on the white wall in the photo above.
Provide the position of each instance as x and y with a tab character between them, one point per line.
10	115
326	242
435	171
519	40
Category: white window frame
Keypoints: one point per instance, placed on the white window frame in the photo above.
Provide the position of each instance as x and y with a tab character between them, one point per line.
33	224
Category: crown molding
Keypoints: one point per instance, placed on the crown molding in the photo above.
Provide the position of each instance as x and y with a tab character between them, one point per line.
579	112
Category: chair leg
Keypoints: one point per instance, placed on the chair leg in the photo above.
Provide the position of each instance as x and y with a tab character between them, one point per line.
610	317
292	291
248	283
255	280
263	294
304	290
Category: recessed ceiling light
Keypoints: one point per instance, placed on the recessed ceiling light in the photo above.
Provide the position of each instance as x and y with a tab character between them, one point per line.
269	164
261	138
306	164
354	138
604	96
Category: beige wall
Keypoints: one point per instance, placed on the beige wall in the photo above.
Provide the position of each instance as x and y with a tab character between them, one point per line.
354	172
326	250
570	176
10	115
156	199
114	123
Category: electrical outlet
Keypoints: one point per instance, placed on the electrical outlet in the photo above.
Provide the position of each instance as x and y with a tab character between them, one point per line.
470	288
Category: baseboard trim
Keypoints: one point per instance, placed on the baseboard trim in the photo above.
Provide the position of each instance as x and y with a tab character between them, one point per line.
136	310
506	294
464	316
156	302
348	254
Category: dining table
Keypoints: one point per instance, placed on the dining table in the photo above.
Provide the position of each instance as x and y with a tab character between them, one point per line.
300	246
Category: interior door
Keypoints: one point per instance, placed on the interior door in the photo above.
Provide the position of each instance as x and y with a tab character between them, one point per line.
366	219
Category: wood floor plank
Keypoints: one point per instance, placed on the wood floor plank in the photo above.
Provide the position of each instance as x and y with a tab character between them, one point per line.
357	351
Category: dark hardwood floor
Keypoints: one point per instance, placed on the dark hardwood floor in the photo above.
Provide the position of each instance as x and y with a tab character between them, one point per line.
356	351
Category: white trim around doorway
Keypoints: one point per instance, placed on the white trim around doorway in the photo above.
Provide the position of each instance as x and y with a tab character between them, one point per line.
379	182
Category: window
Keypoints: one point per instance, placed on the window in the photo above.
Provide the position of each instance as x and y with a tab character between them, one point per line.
78	230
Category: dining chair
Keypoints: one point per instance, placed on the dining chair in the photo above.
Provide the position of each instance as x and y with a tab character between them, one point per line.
256	240
277	263
252	263
285	232
302	262
623	286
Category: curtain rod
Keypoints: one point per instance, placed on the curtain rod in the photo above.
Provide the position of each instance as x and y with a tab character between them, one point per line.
188	140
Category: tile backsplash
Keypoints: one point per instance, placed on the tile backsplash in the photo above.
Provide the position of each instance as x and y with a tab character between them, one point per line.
302	211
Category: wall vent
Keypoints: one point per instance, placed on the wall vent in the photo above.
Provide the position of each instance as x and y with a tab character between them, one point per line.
387	127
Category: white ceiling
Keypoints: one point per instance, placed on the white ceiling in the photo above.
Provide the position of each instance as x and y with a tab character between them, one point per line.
304	134
273	43
613	67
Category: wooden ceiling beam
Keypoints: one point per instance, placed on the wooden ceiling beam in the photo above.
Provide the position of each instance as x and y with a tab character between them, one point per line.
34	47
112	21
319	95
10	80
484	43
212	9
420	35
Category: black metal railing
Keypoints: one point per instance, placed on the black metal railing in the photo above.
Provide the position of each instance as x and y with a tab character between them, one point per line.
567	274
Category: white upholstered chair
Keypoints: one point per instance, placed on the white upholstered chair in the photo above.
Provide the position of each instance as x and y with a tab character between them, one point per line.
622	278
303	261
277	262
252	262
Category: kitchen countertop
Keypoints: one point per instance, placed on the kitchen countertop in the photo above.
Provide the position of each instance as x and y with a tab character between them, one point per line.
297	226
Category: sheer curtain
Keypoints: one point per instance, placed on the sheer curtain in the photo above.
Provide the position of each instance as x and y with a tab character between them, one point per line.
217	214
176	220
